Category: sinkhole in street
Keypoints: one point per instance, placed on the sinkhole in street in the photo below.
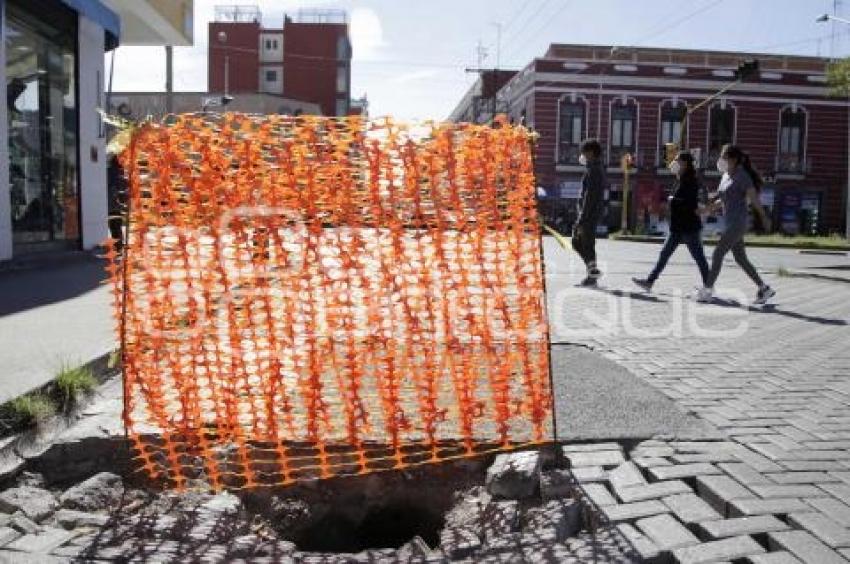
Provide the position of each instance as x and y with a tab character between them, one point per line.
388	526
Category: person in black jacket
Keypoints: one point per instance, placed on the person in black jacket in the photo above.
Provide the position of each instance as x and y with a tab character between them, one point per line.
591	207
685	222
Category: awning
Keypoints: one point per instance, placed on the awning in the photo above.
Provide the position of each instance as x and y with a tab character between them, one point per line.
100	14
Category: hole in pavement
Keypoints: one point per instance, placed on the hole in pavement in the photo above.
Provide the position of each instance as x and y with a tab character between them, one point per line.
384	526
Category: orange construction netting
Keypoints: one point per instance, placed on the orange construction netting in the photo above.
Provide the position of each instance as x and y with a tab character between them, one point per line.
307	297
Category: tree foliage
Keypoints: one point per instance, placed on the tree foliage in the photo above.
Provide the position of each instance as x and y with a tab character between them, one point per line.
838	77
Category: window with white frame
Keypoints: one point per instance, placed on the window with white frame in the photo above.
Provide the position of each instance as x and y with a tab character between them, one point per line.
623	131
343	51
341	79
672	121
721	130
341	107
572	119
792	140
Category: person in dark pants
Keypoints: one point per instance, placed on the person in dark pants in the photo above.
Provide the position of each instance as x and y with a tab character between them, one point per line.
116	185
591	207
685	223
738	191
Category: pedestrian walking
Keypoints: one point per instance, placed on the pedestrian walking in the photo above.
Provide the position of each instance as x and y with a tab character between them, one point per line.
685	222
591	207
739	187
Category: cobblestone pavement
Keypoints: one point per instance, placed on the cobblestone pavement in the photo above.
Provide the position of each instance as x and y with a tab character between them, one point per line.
774	380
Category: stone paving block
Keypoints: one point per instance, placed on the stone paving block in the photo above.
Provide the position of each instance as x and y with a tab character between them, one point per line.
649	462
71	519
792	490
719	456
840	475
459	542
500	518
652	452
599	494
742	526
732	548
781	557
745	474
719	491
805	547
690	508
812	465
624	475
603	458
561	516
645	548
24	524
822	527
632	511
35	503
555	484
832	508
7	535
590	474
803	478
666	532
841	491
683	471
652	491
514	475
780	506
44	541
591	447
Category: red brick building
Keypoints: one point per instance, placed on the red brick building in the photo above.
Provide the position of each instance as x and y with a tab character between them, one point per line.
633	100
308	58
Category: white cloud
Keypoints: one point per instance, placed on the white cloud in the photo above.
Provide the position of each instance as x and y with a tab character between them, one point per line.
414	76
367	34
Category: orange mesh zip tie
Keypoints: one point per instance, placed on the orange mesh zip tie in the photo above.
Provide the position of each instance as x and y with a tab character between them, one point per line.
311	297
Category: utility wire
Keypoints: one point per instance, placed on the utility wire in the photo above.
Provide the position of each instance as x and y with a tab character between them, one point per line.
549	21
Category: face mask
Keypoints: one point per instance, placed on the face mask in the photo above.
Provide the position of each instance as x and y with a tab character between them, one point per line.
675	167
582	160
723	166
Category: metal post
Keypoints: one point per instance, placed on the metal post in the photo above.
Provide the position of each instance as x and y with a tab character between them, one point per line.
226	75
624	222
169	80
847	195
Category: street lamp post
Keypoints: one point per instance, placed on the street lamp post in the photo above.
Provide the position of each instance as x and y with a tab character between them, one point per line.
824	19
222	38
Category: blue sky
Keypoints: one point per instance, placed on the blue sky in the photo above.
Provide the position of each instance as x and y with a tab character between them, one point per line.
410	55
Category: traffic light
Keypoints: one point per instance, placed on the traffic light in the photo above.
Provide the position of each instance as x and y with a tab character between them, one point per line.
747	69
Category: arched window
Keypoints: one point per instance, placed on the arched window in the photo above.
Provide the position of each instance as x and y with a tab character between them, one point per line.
791	155
721	129
572	124
623	135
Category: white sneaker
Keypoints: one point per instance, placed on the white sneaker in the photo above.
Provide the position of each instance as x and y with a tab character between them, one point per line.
705	294
764	294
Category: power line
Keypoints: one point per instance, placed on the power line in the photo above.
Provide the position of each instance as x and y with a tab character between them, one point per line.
549	21
666	27
528	21
514	18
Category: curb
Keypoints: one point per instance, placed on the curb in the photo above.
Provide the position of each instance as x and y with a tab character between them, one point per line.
832	250
17	447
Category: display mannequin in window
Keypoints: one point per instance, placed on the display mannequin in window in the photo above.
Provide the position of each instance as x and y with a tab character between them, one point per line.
591	208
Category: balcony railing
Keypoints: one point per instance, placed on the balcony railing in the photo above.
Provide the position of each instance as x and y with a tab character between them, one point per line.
320	16
238	14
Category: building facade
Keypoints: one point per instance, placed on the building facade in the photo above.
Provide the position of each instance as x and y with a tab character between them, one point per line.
635	100
308	58
53	192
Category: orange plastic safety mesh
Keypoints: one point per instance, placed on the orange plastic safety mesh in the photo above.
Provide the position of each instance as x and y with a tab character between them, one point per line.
312	297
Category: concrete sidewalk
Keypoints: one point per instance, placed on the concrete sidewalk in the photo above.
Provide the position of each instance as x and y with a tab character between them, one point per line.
52	315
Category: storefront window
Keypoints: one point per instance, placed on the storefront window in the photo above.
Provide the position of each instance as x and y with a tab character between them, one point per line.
42	119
